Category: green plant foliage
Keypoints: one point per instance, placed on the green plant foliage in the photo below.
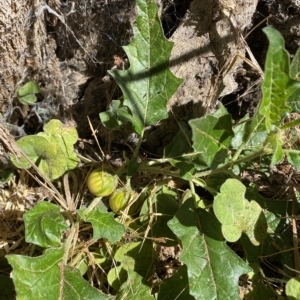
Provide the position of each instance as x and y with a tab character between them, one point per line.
65	136
46	277
192	198
148	84
26	93
51	150
293	288
39	225
104	225
116	115
238	215
277	85
206	254
211	138
138	257
295	66
181	154
134	288
164	205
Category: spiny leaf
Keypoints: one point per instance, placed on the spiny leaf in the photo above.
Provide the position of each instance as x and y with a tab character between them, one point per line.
148	84
45	277
206	255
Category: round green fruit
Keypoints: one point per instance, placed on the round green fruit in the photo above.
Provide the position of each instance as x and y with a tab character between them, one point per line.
118	200
101	183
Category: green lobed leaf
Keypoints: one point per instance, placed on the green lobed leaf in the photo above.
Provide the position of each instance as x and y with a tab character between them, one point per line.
52	150
213	268
211	138
116	115
148	84
136	256
277	85
104	225
250	133
292	288
26	93
134	288
45	277
238	215
39	228
65	136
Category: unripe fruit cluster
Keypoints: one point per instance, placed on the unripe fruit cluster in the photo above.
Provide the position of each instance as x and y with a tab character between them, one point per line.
101	184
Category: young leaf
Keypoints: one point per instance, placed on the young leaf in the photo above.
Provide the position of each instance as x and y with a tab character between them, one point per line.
45	277
277	85
238	215
206	254
104	225
26	93
211	138
134	288
116	115
148	84
39	227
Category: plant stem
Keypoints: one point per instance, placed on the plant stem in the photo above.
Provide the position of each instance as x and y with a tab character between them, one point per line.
94	203
138	146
